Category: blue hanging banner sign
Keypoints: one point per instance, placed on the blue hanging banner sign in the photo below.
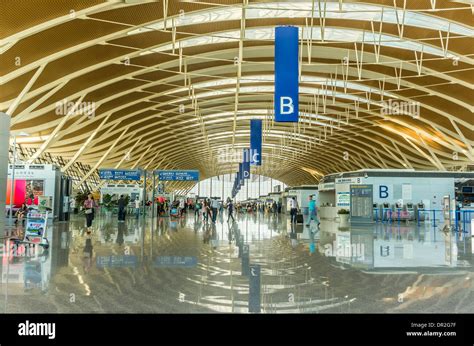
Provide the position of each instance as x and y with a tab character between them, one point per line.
286	74
256	142
246	164
241	174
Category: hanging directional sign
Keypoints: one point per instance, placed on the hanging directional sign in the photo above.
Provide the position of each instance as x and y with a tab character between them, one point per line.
119	174
245	259
286	74
241	174
256	142
178	175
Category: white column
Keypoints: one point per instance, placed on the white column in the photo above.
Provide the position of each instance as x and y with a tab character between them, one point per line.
4	146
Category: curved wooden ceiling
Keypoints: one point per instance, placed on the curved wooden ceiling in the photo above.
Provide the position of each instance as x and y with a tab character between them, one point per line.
174	96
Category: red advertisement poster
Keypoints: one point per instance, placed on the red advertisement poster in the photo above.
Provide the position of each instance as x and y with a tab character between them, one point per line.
25	191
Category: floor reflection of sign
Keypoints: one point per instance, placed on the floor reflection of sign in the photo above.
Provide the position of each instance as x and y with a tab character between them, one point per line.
245	259
32	274
384	251
116	261
240	244
408	251
254	288
175	261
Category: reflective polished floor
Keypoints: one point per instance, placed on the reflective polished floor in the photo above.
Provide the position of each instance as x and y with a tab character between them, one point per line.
165	265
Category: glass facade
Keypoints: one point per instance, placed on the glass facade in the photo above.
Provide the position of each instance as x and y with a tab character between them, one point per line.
221	186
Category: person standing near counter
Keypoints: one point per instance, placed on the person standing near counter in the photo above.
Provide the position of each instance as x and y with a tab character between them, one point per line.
293	209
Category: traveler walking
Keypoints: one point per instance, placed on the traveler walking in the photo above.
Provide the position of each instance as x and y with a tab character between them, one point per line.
205	210
121	209
89	205
230	210
197	209
311	210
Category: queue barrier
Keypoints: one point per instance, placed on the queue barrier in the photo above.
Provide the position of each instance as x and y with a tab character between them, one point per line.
460	217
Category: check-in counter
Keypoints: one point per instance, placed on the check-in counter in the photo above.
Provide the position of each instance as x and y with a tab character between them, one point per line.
328	213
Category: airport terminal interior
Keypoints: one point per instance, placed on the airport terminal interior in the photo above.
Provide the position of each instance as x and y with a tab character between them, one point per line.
237	156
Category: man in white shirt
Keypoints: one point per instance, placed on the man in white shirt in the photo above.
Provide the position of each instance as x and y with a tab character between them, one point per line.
293	209
137	207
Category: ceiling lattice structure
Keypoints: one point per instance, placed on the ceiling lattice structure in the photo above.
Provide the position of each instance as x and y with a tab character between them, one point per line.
175	83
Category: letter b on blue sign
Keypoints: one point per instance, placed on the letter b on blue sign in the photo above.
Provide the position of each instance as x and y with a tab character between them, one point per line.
383	191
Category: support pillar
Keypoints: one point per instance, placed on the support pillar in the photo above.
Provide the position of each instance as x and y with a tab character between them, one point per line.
4	146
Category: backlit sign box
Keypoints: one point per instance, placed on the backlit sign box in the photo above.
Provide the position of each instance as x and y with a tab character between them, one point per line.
178	175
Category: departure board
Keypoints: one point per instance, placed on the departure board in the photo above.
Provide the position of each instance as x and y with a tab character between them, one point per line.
361	203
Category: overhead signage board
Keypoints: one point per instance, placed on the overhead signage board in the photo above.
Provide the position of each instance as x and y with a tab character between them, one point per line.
326	187
353	180
286	74
119	174
178	175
